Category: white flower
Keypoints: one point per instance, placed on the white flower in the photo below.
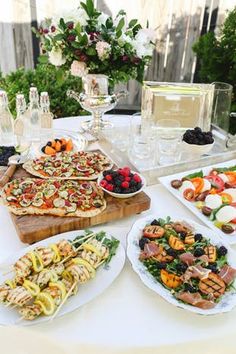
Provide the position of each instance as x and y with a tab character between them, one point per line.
78	68
103	49
56	57
145	35
142	49
125	39
142	44
102	19
75	15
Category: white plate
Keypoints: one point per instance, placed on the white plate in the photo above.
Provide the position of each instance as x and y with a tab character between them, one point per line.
80	142
87	292
227	302
166	181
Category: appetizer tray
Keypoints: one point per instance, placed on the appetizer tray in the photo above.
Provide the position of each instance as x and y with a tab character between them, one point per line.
31	228
219	153
166	182
226	302
105	275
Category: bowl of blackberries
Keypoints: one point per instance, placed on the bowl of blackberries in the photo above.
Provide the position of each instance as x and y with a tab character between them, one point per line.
121	183
5	153
197	142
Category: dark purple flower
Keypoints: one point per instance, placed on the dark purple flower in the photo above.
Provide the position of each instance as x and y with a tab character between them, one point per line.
45	30
125	58
53	28
135	60
71	38
77	52
70	25
93	35
83	57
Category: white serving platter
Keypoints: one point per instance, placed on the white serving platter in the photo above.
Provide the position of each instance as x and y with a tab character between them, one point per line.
228	301
166	182
105	276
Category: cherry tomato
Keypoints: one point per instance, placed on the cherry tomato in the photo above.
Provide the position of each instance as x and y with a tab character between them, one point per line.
189	194
233	221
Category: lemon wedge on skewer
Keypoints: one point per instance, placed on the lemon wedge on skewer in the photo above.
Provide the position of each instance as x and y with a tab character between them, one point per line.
83	262
92	248
60	286
56	257
46	302
33	288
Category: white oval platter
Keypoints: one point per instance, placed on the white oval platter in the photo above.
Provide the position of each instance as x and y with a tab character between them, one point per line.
228	300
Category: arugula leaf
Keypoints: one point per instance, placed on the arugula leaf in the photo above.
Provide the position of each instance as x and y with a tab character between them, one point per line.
221	261
195	174
214	211
225	169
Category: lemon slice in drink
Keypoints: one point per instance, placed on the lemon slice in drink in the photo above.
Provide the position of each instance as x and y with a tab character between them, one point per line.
46	302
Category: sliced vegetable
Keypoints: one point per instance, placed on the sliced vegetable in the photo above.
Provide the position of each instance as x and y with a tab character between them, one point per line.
189	194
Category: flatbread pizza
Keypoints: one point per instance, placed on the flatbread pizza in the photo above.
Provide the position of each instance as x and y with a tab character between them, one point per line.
67	198
80	165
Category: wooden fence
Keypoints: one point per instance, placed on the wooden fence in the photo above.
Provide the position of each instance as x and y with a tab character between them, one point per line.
178	24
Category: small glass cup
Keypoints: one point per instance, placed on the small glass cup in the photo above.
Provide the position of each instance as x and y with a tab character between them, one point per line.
142	151
168	141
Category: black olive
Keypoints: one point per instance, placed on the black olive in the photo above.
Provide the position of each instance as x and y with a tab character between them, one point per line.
171	252
176	183
227	229
181	267
206	211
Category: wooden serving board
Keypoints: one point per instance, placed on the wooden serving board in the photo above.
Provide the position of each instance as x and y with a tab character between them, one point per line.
33	228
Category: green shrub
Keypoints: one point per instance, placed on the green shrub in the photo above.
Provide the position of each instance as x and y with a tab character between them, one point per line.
46	78
217	56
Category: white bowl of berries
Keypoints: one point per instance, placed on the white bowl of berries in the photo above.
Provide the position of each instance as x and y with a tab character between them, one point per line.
121	183
197	142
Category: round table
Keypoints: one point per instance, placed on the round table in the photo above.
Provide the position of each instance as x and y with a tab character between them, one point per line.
127	316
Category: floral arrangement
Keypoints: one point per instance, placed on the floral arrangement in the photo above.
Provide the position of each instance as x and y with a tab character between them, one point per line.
89	41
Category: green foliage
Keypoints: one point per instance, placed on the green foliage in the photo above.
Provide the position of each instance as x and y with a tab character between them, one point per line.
217	56
46	78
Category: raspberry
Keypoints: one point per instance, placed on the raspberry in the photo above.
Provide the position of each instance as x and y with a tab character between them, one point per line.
110	187
125	184
127	179
103	183
136	178
108	178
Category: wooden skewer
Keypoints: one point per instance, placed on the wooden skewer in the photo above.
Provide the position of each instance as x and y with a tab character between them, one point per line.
83	238
64	300
77	249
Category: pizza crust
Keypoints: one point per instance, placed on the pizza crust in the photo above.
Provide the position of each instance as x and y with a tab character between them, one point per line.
55	211
31	210
28	166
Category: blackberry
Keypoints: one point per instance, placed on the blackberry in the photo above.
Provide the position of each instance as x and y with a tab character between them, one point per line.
199	252
198	237
117	190
222	251
132	183
161	265
190	288
213	267
155	222
182	235
49	143
43	149
171	252
181	267
142	242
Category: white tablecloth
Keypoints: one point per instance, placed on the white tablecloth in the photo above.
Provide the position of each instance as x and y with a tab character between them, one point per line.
127	315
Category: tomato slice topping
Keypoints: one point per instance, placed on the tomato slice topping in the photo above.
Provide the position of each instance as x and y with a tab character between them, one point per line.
189	194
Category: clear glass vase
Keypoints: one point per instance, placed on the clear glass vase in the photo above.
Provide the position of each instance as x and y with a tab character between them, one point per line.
96	100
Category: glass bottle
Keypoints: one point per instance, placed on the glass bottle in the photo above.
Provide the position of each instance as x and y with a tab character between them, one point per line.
6	121
46	115
35	118
22	125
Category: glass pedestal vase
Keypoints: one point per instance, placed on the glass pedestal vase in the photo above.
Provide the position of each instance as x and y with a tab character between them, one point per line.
96	100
